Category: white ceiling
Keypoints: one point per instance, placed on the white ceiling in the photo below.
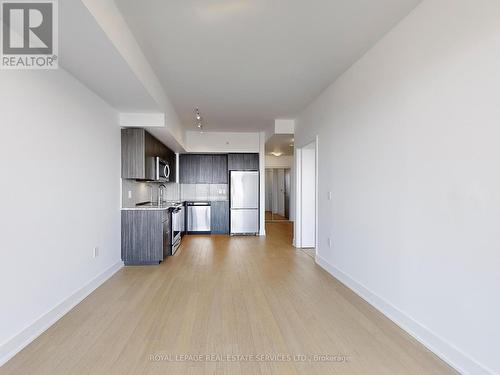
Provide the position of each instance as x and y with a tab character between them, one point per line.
89	55
246	62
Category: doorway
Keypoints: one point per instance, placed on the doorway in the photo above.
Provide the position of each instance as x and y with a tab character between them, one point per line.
278	186
306	234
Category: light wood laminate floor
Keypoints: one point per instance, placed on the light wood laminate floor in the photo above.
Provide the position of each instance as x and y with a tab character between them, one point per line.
226	296
274	217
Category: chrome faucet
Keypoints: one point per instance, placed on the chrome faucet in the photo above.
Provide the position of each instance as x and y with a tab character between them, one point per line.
161	193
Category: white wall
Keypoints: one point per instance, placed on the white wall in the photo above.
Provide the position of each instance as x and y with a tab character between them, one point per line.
409	146
60	188
283	161
222	142
284	126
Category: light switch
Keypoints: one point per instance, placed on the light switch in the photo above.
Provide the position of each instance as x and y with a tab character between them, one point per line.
329	195
130	194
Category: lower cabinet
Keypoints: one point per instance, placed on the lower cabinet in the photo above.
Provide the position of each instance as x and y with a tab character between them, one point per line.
219	217
145	236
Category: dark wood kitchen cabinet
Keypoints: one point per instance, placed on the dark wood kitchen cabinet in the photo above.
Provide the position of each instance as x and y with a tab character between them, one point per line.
203	169
219	169
145	236
137	146
133	153
189	166
205	166
195	169
219	217
243	162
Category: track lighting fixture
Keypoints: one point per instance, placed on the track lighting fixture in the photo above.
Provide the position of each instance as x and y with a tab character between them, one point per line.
199	120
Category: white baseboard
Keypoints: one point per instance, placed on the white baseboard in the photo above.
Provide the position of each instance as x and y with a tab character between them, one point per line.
438	345
13	346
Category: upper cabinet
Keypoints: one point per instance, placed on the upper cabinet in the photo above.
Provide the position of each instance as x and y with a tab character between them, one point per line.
138	147
205	165
188	169
133	153
243	162
213	168
219	169
202	169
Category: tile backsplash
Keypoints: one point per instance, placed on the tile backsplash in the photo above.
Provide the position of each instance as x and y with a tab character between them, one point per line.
134	192
204	192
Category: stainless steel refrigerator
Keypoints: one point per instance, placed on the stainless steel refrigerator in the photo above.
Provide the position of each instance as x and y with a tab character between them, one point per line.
244	202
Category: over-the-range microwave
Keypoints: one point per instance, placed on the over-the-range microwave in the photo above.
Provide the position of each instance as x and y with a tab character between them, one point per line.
157	169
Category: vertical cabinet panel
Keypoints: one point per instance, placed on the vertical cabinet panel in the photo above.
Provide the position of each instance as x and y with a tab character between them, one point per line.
133	153
220	217
219	169
243	162
189	168
205	165
235	161
142	237
251	161
152	147
203	169
183	168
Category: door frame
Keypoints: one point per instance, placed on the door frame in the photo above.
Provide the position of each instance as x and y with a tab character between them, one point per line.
297	240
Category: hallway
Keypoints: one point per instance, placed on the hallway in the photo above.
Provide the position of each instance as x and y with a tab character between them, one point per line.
220	296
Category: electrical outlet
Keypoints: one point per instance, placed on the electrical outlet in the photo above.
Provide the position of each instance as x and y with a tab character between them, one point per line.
95	253
130	194
329	242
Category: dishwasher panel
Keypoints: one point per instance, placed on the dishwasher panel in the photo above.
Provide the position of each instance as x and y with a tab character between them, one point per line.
198	217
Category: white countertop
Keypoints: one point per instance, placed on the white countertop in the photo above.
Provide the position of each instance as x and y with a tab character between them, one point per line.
149	207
